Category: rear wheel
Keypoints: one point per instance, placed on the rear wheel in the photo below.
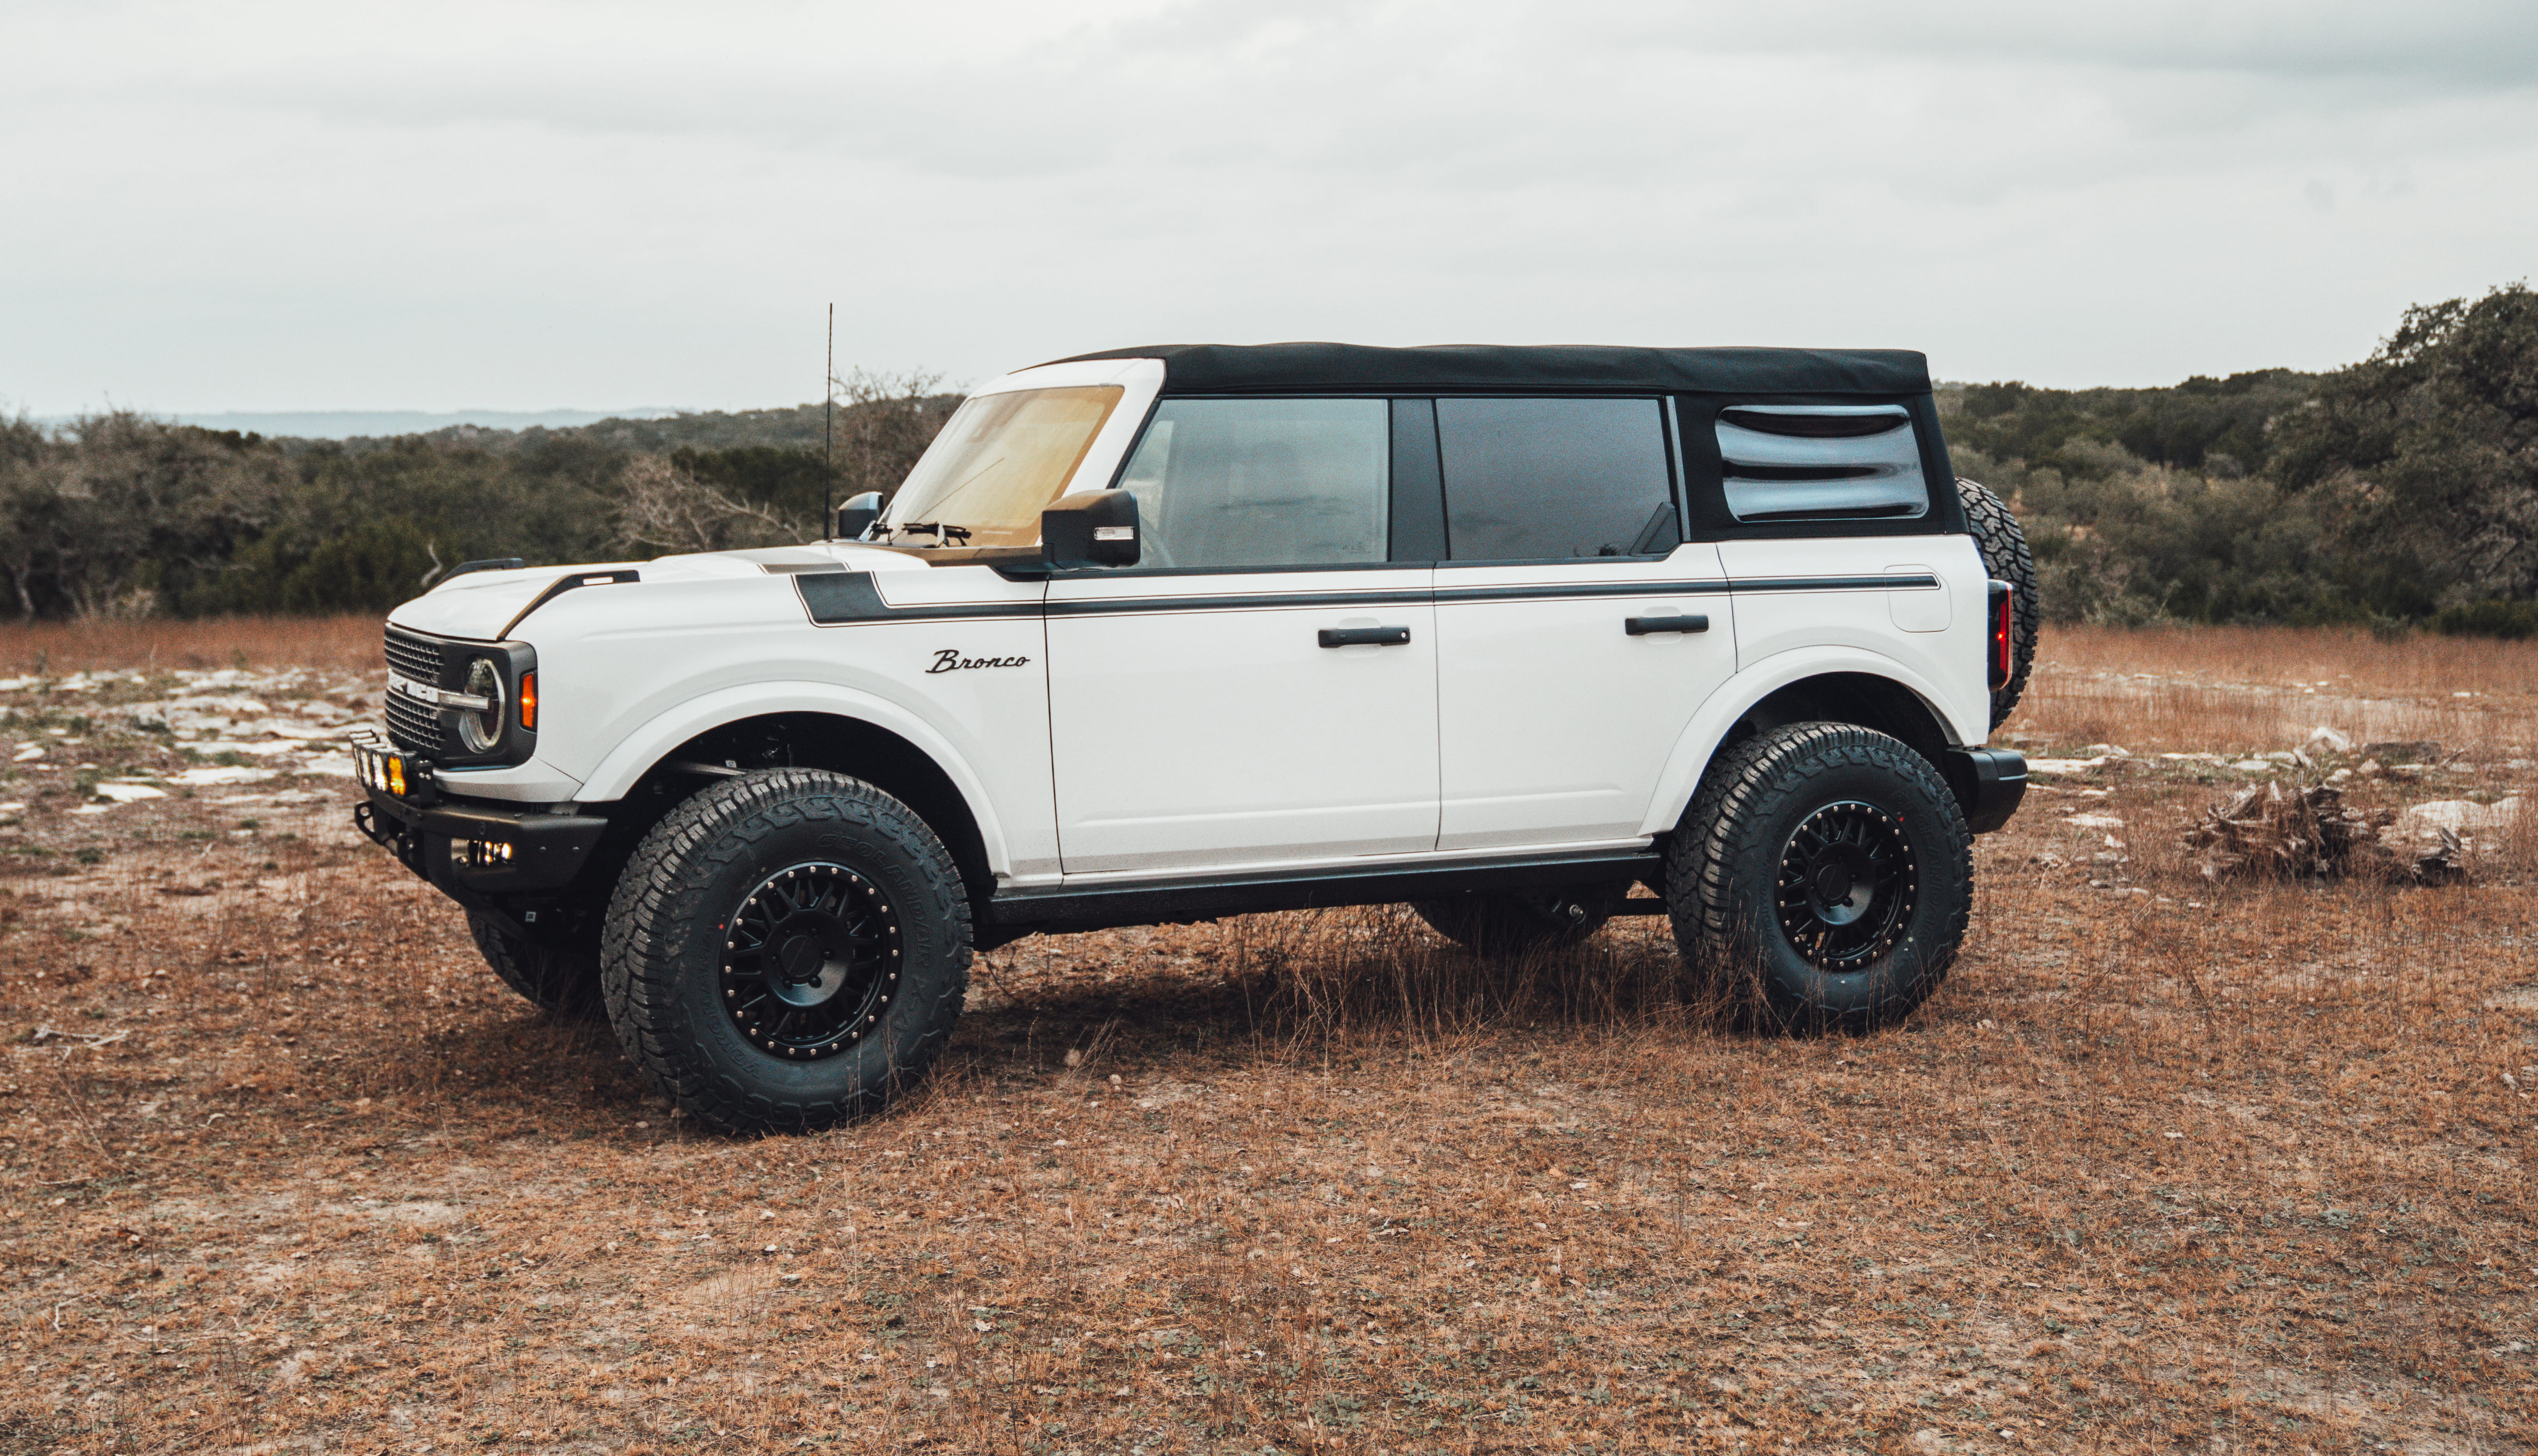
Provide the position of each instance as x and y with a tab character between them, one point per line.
1511	922
562	983
785	950
1824	875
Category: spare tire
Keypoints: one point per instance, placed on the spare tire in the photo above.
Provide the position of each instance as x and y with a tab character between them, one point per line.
2006	558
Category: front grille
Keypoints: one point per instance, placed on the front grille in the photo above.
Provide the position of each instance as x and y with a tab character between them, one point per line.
413	656
413	727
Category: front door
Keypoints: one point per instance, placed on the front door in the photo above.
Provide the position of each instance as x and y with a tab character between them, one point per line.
1261	688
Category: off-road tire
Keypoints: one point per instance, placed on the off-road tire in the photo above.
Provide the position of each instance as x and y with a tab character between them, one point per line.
676	908
562	983
1512	922
1729	876
2003	545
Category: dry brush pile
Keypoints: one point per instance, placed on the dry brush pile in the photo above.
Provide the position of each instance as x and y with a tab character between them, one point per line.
2169	1162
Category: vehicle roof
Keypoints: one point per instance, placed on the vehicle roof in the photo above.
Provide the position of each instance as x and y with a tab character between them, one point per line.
1237	367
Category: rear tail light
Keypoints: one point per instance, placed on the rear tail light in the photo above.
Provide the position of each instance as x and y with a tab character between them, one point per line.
2001	600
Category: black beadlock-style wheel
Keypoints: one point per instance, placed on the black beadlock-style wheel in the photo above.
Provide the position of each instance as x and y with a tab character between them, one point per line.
562	983
811	962
2002	542
1847	884
785	950
1823	875
1511	922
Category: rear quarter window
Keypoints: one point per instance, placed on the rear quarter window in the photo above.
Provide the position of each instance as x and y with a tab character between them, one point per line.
1793	463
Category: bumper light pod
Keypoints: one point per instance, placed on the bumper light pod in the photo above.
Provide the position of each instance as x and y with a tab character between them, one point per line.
481	854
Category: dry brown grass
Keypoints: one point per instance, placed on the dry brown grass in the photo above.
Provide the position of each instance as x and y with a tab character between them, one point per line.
160	643
2164	1166
2240	689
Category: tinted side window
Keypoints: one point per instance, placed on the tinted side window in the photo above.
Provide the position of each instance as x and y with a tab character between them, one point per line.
1821	462
1535	478
1235	483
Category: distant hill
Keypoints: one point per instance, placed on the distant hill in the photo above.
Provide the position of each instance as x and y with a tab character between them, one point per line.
352	424
787	426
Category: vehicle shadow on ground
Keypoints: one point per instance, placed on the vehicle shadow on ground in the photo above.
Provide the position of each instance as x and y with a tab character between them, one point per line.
1305	996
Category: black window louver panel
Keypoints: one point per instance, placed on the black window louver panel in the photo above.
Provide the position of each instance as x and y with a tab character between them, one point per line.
1817	426
1819	462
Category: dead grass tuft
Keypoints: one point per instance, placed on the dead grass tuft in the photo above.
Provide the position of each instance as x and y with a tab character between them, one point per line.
2309	833
1378	974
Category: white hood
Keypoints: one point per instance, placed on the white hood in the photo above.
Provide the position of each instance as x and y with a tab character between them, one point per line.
478	606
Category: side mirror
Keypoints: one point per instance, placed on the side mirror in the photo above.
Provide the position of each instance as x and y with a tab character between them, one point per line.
1096	528
857	516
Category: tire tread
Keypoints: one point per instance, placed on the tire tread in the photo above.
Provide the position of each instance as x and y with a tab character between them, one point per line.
661	889
1706	856
2002	542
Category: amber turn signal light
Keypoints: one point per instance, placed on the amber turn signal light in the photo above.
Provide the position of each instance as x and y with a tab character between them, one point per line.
529	702
396	776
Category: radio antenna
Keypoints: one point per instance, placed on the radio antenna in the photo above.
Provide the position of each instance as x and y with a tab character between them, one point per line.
829	433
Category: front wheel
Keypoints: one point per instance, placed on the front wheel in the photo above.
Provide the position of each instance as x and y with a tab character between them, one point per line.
786	950
1824	874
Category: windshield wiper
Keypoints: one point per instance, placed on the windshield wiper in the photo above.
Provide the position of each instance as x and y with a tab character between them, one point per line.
943	532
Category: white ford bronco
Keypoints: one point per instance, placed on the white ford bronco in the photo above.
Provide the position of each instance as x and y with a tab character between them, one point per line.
1169	634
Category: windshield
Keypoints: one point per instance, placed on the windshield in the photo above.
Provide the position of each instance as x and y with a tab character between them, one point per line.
999	461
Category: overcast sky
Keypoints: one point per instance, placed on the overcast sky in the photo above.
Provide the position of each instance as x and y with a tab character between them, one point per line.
259	206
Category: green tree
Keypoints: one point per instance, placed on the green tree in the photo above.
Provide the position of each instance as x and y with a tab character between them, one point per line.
2432	445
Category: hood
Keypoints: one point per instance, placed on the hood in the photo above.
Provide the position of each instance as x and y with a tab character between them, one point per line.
478	606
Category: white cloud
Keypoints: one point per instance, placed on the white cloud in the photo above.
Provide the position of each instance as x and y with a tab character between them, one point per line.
526	206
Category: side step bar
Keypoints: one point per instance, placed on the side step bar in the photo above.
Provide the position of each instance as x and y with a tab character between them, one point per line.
1176	902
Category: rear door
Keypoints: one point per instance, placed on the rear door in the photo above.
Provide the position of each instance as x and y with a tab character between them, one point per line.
1576	632
1261	688
1839	527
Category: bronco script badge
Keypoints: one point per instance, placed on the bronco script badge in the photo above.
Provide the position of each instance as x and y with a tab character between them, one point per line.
949	660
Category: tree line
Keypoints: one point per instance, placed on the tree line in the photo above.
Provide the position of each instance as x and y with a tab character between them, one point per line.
2399	491
118	514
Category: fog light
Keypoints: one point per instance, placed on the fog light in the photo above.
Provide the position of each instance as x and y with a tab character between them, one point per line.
396	775
481	854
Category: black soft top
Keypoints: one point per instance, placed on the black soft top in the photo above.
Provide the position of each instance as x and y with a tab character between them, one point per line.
1210	368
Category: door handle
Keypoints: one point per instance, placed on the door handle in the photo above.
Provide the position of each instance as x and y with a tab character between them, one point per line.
1364	637
1641	626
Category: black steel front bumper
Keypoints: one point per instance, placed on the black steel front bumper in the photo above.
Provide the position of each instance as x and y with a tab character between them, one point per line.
1990	783
479	848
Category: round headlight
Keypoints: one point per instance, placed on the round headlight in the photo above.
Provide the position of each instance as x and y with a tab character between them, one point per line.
480	732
